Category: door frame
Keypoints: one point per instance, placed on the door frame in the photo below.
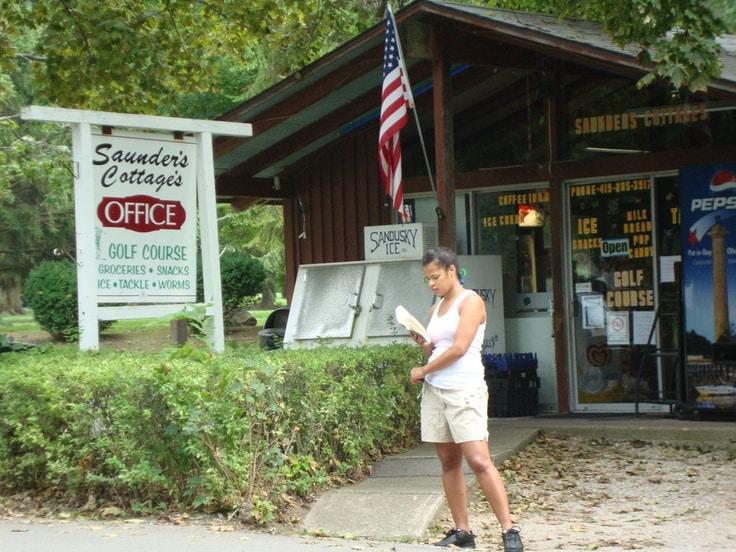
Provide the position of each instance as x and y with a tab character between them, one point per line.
569	292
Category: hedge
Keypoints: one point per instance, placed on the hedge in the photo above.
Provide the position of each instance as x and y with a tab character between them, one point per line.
51	292
185	430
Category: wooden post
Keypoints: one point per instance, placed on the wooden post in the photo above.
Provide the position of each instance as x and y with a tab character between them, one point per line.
89	309
444	141
209	242
179	331
89	331
556	204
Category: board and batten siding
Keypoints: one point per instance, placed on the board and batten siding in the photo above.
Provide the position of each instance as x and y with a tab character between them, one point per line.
341	194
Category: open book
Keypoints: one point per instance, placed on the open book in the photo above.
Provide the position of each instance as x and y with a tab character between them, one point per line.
405	318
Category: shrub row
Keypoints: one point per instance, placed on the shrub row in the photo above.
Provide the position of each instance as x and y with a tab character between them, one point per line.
241	431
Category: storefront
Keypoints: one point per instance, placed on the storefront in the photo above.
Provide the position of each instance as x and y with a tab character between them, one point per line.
551	157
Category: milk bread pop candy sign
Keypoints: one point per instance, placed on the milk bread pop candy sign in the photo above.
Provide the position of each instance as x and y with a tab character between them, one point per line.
145	228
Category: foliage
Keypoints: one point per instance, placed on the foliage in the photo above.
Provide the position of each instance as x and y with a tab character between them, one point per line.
188	58
258	231
677	37
51	291
242	277
35	186
140	55
241	431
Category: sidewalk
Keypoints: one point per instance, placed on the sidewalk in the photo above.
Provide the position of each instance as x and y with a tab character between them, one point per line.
117	536
404	494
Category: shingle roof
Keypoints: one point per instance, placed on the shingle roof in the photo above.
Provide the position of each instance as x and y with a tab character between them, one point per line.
583	33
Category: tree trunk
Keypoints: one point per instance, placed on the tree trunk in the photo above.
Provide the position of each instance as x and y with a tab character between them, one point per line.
10	291
267	296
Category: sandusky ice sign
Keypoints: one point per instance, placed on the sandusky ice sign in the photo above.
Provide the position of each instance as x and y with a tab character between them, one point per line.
145	223
393	241
137	199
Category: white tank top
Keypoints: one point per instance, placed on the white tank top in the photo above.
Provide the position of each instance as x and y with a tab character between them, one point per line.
467	371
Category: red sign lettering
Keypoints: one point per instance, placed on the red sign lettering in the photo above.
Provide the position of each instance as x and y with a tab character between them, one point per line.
141	213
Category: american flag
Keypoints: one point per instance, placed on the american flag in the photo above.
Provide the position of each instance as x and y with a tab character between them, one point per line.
394	116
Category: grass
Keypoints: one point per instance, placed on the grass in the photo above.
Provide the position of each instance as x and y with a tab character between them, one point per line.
24	323
18	323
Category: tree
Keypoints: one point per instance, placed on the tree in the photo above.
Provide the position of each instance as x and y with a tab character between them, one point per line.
36	211
142	55
259	232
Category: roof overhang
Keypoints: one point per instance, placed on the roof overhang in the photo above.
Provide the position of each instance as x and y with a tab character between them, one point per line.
340	92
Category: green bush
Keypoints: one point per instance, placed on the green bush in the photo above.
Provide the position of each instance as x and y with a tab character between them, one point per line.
242	276
51	292
244	430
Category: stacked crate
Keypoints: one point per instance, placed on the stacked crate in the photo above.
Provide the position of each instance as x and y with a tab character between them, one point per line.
513	384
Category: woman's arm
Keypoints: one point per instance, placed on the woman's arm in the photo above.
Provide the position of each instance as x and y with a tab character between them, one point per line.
472	315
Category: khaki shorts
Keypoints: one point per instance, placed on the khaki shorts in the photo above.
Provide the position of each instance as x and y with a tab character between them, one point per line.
454	415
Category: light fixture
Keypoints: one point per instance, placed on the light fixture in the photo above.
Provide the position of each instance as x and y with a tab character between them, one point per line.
530	216
615	150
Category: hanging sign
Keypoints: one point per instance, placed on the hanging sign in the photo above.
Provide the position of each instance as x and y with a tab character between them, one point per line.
145	218
393	242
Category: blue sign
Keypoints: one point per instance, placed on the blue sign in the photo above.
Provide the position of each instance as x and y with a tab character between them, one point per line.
708	207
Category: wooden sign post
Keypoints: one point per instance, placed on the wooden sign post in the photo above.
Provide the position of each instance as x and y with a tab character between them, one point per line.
136	201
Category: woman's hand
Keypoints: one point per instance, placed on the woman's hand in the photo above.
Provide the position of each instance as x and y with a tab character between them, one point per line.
416	375
419	340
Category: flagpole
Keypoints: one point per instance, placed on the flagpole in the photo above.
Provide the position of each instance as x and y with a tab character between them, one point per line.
410	98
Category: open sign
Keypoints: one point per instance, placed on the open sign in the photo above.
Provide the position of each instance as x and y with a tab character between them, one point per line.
141	213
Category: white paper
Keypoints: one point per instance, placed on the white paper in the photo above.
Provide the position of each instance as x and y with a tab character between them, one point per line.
406	319
667	267
592	311
617	327
642	326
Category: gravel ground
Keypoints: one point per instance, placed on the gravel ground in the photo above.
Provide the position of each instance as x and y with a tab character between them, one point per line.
570	493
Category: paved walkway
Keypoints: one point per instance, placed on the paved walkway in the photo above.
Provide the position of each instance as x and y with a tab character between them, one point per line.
404	494
115	536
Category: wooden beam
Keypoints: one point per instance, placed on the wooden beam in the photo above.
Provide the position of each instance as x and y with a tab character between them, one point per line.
417	41
129	120
553	116
559	333
490	53
444	141
641	163
253	187
585	168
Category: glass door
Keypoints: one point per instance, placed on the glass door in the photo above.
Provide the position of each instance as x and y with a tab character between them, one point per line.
611	286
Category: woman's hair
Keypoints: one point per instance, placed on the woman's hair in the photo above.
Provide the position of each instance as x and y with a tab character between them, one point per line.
443	256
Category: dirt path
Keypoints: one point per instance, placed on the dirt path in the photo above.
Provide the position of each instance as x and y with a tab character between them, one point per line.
580	494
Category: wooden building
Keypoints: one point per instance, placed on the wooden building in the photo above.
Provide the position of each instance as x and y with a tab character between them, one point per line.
519	112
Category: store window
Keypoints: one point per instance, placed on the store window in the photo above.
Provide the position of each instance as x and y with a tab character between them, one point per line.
515	225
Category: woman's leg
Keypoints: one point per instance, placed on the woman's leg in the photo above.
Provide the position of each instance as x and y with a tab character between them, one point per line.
489	480
453	481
